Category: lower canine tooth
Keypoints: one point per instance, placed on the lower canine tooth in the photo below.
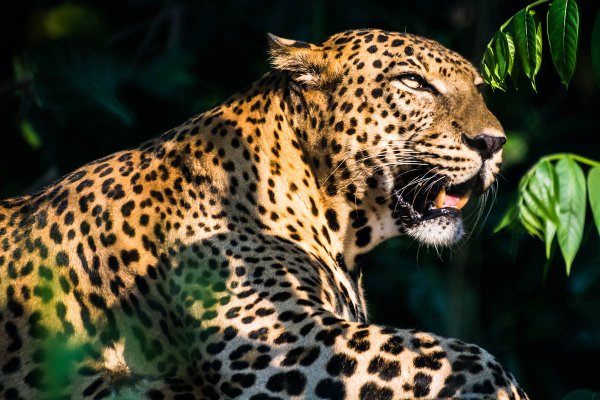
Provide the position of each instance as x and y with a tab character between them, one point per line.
463	200
440	198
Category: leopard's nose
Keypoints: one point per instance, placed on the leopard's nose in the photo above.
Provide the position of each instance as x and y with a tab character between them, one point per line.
485	145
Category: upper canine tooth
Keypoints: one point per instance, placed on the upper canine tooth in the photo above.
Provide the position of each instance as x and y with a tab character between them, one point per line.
440	198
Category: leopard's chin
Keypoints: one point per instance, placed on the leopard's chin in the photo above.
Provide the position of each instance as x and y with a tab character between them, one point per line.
440	227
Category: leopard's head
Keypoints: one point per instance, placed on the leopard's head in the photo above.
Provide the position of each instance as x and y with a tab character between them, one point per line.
396	126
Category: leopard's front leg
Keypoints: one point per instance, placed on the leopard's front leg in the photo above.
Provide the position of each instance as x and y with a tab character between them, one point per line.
285	325
321	356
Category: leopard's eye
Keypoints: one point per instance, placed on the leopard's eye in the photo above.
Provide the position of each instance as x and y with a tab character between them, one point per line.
416	82
412	81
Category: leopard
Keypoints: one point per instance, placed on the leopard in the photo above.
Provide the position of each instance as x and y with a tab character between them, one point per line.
222	259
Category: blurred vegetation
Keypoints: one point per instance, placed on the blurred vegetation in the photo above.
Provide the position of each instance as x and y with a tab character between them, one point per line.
81	79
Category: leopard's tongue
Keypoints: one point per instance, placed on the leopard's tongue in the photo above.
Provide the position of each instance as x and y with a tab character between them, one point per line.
444	199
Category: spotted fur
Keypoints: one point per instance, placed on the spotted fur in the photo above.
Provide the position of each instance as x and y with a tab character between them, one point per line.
220	260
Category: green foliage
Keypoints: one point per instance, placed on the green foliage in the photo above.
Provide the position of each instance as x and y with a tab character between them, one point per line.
499	59
95	77
75	72
65	70
571	208
552	197
528	34
594	193
171	69
551	202
30	135
563	36
72	20
562	22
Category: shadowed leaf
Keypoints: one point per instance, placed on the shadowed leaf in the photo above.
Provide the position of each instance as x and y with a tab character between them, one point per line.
30	135
594	194
563	36
72	20
528	41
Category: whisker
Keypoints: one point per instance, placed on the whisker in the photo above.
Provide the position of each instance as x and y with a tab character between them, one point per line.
374	170
380	145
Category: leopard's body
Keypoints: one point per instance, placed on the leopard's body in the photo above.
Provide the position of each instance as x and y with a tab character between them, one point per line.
220	260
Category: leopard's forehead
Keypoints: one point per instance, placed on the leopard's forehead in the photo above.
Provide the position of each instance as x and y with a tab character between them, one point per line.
415	51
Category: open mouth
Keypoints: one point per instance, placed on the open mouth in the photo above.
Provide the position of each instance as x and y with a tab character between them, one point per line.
422	201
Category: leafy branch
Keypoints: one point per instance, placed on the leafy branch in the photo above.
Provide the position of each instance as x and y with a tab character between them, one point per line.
551	202
521	35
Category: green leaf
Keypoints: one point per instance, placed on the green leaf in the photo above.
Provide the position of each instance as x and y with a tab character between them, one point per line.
596	48
563	36
510	44
488	68
549	233
508	219
515	74
528	41
498	60
534	205
30	135
502	56
594	194
530	221
542	187
538	204
571	208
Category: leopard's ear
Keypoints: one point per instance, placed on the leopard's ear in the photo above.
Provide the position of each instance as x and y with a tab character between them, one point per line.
305	62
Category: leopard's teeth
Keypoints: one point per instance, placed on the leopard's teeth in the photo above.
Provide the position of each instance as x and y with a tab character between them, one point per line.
447	200
440	199
463	200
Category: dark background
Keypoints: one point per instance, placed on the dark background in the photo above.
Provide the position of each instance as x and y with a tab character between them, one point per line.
81	79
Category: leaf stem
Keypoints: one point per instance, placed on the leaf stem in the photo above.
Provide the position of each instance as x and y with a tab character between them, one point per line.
505	24
553	157
508	21
576	157
536	3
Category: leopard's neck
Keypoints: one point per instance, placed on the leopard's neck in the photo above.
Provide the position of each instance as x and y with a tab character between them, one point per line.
272	170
